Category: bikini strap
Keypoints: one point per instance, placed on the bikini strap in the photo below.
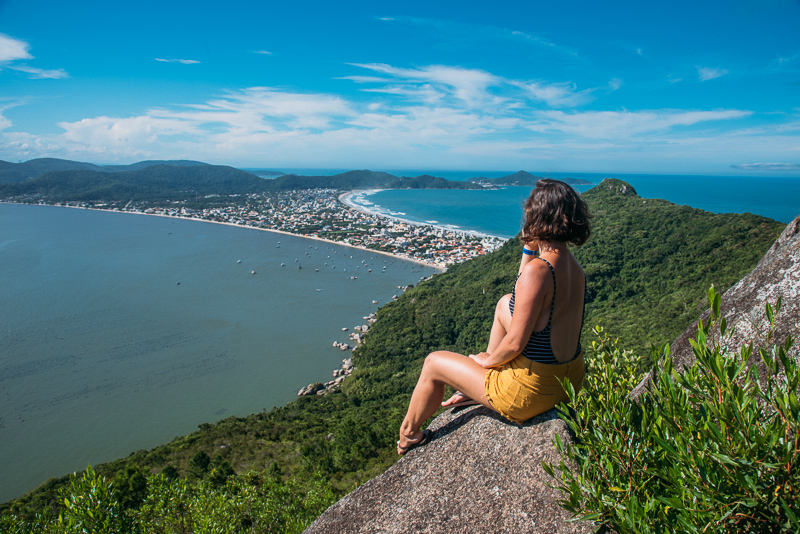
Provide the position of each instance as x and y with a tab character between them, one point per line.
553	303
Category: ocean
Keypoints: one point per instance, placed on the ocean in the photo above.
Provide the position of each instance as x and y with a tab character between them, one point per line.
119	332
499	212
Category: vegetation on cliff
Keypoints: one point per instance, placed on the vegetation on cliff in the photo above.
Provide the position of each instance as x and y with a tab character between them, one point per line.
713	448
643	266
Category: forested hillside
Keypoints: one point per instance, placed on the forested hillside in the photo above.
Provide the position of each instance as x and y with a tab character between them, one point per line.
647	264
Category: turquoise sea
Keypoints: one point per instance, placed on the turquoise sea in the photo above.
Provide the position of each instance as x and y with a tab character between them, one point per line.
499	212
119	332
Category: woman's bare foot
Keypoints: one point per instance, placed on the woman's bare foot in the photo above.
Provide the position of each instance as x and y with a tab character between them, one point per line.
458	399
420	439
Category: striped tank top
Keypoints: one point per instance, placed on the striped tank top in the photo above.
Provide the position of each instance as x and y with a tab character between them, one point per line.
538	347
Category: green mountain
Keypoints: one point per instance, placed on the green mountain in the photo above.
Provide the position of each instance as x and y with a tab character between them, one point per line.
181	180
157	182
19	172
365	179
647	263
524	178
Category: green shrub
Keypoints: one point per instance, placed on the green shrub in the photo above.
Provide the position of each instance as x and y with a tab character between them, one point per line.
711	449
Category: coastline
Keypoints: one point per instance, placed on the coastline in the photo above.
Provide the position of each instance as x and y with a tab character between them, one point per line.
329	241
345	198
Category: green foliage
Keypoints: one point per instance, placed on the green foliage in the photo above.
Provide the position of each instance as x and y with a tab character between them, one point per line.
648	261
178	506
711	449
89	505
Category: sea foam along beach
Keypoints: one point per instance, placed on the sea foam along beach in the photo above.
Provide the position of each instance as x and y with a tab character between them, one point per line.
358	200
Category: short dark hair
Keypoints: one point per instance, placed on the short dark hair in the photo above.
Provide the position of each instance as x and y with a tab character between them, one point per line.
556	212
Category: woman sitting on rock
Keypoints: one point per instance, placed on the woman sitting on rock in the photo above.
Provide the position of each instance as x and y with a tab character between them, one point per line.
535	339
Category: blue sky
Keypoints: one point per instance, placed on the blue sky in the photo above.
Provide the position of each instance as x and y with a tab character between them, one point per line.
573	86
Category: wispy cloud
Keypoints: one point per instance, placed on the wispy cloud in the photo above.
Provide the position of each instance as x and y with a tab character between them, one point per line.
263	52
626	124
615	83
435	115
14	50
41	74
767	167
709	73
459	31
468	85
473	87
183	61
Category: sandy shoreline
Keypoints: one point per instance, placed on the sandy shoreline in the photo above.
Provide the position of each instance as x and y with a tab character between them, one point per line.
345	198
339	243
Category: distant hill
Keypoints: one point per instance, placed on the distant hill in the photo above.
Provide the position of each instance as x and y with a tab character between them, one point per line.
151	163
524	178
19	172
62	180
150	183
366	179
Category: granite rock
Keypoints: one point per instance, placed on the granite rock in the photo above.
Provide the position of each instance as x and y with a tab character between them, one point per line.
479	473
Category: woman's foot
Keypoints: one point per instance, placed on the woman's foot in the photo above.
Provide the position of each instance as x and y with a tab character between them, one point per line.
458	399
408	444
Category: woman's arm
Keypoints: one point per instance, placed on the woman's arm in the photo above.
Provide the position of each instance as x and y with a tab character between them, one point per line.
534	288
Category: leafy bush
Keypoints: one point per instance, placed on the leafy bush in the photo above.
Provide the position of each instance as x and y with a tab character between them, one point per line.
711	449
91	503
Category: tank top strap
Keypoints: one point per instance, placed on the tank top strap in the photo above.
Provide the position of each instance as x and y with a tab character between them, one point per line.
553	303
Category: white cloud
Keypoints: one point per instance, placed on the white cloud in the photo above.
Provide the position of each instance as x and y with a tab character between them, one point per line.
431	116
183	61
626	124
468	85
13	49
41	74
263	52
709	73
555	94
767	167
639	52
615	83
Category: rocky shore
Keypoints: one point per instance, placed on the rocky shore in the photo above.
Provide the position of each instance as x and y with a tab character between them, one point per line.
319	388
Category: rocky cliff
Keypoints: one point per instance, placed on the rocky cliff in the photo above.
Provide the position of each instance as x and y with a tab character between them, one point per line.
776	275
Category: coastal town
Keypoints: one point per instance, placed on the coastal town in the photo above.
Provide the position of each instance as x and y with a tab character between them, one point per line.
321	214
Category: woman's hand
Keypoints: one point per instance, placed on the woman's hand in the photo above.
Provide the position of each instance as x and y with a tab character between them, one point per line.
480	359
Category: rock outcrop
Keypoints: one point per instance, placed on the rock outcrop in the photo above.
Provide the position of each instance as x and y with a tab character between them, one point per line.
777	274
480	473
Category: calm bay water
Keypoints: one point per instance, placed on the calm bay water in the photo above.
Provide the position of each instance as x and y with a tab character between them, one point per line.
499	212
119	332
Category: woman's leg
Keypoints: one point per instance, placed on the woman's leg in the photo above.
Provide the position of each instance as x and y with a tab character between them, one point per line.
441	369
502	320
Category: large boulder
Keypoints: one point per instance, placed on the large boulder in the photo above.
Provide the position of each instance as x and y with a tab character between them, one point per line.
776	275
480	473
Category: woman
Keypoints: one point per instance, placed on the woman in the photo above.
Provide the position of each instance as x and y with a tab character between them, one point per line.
535	337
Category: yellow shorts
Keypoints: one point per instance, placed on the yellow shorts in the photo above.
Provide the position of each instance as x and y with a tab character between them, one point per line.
521	389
